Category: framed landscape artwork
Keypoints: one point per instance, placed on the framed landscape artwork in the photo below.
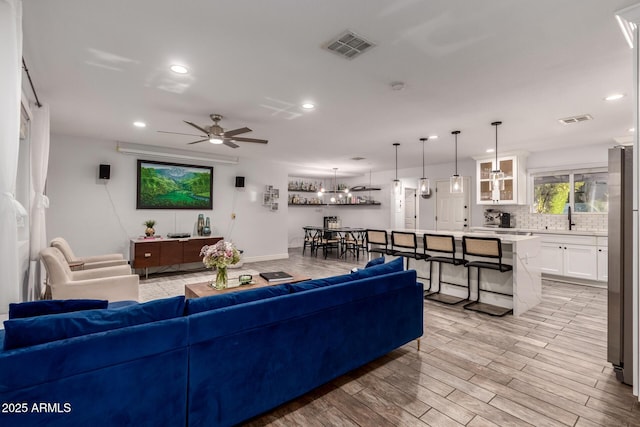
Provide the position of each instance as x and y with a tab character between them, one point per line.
174	186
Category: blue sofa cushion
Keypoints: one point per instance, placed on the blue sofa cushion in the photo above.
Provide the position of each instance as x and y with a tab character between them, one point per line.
198	305
375	261
377	270
320	283
42	329
40	308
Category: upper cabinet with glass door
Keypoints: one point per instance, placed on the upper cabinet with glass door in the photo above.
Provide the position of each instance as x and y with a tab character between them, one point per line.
514	191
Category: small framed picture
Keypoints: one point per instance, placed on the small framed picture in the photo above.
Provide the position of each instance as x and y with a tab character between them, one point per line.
275	193
266	199
268	188
274	206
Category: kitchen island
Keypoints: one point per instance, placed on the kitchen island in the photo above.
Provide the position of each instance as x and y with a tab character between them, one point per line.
520	251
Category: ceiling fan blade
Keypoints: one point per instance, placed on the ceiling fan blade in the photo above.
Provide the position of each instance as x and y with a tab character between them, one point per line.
177	133
197	127
259	141
231	133
195	142
230	143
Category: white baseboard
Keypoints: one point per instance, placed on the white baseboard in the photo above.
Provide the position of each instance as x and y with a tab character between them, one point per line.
272	257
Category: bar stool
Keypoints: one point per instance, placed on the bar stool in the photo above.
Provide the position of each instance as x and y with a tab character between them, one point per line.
378	237
444	244
408	242
486	247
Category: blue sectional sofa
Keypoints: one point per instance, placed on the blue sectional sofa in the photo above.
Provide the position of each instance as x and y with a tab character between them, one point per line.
211	361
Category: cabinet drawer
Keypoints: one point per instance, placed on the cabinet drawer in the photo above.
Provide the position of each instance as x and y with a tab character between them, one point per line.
146	255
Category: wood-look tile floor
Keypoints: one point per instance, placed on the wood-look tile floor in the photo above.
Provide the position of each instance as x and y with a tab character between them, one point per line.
545	368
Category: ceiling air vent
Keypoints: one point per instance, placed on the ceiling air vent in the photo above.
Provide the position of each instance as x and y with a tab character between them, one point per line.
575	119
357	158
349	45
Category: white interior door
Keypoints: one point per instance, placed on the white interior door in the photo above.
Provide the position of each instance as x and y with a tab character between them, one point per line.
452	209
410	208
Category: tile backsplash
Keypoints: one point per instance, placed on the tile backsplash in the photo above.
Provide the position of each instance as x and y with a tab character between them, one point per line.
523	218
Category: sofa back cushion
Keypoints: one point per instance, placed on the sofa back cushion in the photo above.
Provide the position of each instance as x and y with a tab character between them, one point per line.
198	305
41	308
42	329
375	261
377	270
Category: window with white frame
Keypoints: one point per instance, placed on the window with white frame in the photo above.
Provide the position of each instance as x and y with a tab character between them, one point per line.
582	190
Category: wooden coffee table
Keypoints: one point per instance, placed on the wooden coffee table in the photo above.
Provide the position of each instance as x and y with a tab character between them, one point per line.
203	289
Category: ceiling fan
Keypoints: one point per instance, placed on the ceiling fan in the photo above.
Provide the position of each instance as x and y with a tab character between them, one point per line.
217	135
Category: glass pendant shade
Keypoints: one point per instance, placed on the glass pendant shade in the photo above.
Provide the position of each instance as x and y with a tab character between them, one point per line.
397	186
423	185
497	180
456	184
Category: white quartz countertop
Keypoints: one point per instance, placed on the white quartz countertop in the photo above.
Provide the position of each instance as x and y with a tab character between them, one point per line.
506	238
601	233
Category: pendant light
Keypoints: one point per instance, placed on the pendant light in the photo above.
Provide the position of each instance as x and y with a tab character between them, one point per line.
333	197
456	182
397	184
497	176
423	184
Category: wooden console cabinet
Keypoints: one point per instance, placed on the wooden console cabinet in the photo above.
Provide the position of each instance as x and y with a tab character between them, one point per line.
145	253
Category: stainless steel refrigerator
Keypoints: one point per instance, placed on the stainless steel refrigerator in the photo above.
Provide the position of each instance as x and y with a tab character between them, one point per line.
620	283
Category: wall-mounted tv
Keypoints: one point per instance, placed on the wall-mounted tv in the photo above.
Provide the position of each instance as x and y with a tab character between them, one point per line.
174	186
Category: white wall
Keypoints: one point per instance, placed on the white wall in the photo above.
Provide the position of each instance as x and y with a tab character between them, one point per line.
99	216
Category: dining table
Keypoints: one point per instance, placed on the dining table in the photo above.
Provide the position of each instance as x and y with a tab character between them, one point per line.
347	240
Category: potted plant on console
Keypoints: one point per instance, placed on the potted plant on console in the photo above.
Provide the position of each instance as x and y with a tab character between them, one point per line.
220	256
149	232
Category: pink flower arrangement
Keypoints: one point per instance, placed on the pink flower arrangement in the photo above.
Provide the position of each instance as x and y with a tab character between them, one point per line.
222	254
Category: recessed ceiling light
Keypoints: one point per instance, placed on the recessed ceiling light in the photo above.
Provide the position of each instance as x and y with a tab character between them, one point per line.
308	106
632	129
490	150
433	136
140	124
180	69
614	97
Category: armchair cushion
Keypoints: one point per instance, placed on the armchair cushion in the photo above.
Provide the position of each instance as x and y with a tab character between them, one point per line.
42	329
40	308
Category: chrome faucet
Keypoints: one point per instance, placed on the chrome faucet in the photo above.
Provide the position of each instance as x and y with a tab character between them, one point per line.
571	224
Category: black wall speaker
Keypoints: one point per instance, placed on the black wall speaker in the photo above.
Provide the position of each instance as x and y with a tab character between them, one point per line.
239	181
105	171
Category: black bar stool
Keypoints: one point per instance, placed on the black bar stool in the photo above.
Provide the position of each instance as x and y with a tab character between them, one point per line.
486	247
443	244
379	238
408	242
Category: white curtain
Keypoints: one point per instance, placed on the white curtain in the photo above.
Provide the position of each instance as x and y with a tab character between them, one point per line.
10	88
39	166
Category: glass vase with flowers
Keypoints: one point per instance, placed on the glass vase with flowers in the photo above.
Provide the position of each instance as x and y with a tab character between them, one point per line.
220	256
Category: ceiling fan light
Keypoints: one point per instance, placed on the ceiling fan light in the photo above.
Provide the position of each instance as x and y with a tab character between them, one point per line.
215	140
456	184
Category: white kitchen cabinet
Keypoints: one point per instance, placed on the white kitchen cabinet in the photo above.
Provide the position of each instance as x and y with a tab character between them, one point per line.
551	255
603	263
579	257
580	261
515	180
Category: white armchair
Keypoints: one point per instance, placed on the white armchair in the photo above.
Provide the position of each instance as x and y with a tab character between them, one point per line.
88	262
111	283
